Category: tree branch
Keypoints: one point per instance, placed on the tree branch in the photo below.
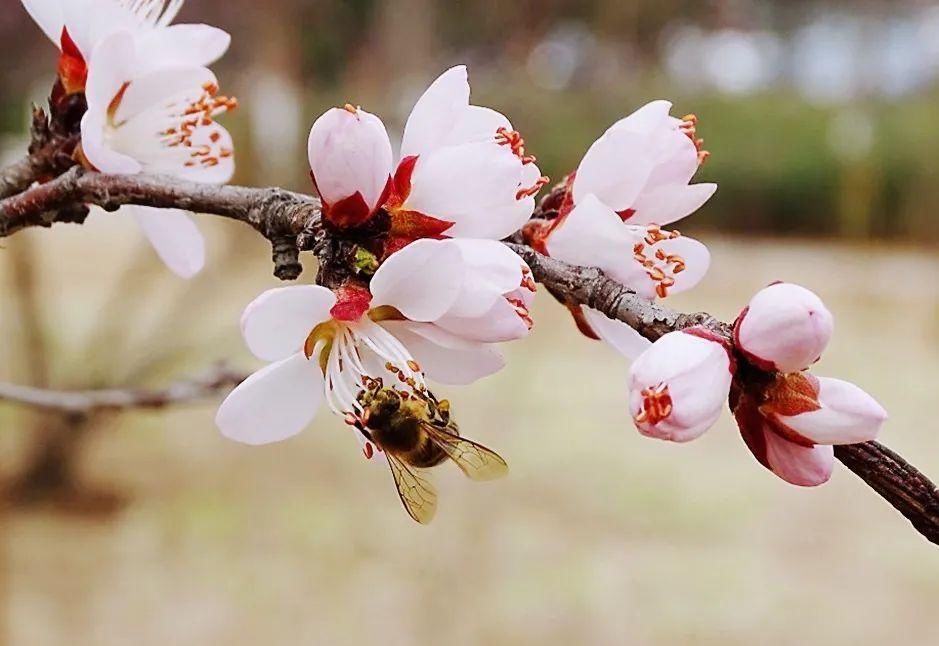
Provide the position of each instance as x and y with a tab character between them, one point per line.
291	221
219	379
279	215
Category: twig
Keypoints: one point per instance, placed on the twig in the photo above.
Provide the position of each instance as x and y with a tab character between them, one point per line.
287	220
278	215
216	381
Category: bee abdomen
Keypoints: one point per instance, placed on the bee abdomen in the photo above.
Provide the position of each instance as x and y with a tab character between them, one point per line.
426	454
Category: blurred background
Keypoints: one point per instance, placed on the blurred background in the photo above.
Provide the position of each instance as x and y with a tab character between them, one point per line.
148	526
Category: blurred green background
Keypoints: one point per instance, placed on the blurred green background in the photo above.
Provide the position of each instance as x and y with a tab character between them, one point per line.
150	528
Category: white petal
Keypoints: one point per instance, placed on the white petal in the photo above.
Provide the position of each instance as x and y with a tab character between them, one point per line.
174	236
796	464
276	323
350	152
422	280
649	118
491	270
594	236
478	124
623	338
501	322
785	325
671	203
697	260
179	45
473	185
274	403
445	357
436	112
152	91
615	169
48	15
110	68
98	152
89	22
848	415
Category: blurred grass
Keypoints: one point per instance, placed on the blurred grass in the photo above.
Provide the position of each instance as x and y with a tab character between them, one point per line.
598	535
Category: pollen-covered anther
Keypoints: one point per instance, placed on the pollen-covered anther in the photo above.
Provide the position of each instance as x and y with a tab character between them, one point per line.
528	282
661	268
368	450
689	126
351	109
514	140
533	189
656	405
522	310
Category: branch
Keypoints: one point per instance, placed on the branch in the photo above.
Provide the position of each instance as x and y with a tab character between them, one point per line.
291	220
278	215
218	380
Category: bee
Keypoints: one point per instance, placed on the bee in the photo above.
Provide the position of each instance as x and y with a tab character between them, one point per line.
415	432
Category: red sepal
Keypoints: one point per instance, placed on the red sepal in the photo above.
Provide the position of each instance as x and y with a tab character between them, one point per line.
347	213
581	322
73	71
750	423
352	302
401	183
412	225
625	214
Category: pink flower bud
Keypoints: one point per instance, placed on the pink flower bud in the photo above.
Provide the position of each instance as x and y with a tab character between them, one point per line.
679	385
785	327
350	159
839	413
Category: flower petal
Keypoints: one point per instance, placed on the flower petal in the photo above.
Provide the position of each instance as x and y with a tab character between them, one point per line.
446	357
179	45
848	415
502	322
799	465
98	152
695	262
109	69
785	326
276	402
615	169
276	323
472	185
436	112
350	153
671	203
649	118
623	338
174	236
422	280
48	15
593	235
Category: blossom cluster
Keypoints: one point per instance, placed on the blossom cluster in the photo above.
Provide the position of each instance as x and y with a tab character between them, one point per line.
431	289
151	103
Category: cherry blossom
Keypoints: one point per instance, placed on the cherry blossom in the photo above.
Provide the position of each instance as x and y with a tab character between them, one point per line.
632	182
784	328
434	309
160	122
679	385
791	423
463	170
77	26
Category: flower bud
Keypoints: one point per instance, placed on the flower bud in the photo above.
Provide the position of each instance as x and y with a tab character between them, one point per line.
825	411
350	159
785	328
679	385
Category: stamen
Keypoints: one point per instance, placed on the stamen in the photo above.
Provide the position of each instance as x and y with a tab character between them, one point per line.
351	109
522	310
689	126
656	405
662	267
513	139
533	189
198	114
527	281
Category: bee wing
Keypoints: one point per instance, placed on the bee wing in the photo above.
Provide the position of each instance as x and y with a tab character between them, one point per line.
417	492
475	460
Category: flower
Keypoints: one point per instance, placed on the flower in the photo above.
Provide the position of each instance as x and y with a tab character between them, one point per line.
633	181
679	385
463	170
433	308
791	422
784	328
160	122
77	26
